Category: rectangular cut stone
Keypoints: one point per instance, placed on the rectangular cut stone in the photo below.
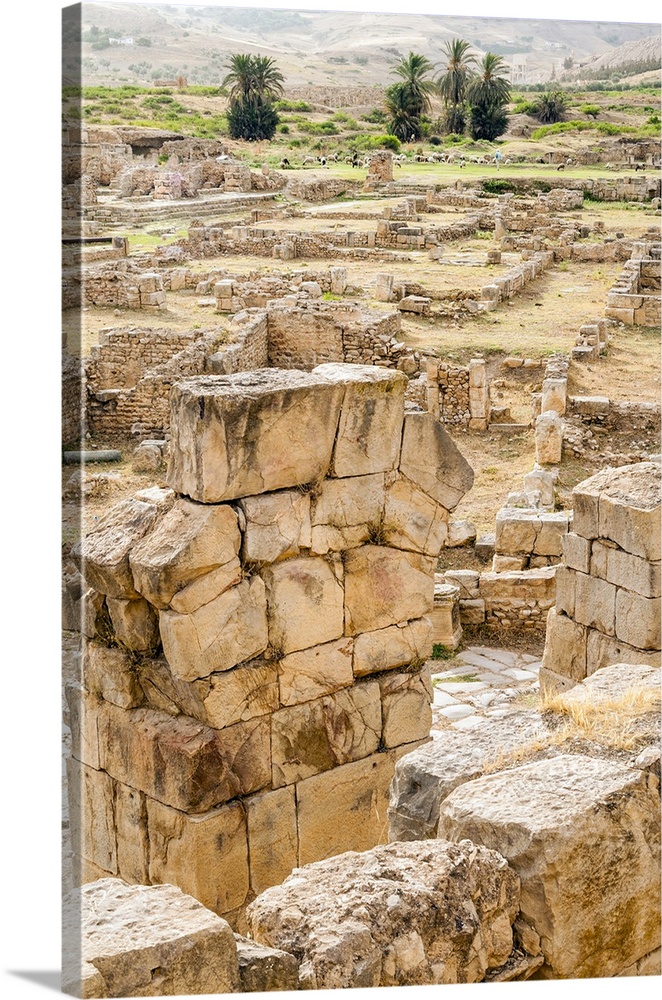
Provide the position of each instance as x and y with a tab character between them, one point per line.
206	856
603	650
170	694
553	526
147	941
241	694
565	647
84	711
630	509
91	815
263	970
412	520
189	541
305	603
253	432
516	531
395	646
322	734
638	620
385	586
430	458
577	552
180	761
272	837
277	525
370	418
103	553
345	809
205	589
634	573
565	591
230	629
583	835
130	807
406	708
595	603
466	580
310	673
346	512
110	673
135	624
585	496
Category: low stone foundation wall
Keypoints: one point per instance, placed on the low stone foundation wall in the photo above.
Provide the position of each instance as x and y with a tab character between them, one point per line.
635	297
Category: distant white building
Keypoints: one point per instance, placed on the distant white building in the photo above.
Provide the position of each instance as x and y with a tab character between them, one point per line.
518	69
121	41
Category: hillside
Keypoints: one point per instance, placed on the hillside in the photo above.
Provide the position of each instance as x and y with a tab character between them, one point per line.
314	47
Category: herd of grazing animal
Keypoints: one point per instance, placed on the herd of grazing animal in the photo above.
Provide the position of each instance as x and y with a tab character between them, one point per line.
454	157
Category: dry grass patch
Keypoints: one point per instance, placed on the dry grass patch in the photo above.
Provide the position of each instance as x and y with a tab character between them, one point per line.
612	722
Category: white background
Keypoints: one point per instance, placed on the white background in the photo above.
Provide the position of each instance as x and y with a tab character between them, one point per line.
30	524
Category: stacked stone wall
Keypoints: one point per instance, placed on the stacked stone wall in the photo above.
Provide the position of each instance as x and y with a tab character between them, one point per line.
257	633
635	296
608	590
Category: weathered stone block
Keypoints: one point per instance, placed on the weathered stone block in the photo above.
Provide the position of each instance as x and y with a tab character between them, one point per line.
110	673
565	591
226	631
630	509
305	604
264	969
431	459
554	391
595	603
147	941
565	647
634	573
412	520
407	929
549	438
321	734
130	814
370	418
346	512
577	552
91	815
385	586
553	526
311	673
241	694
253	432
395	646
277	525
638	620
406	711
103	553
603	650
180	761
206	856
516	531
272	837
135	624
190	541
583	834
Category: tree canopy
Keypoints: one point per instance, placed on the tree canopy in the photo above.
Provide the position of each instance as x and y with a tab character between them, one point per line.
254	83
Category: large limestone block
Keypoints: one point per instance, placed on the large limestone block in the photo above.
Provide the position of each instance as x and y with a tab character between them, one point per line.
614	682
190	541
629	509
277	525
634	573
412	520
603	650
346	512
180	761
84	709
565	647
135	624
167	693
638	620
110	673
91	815
371	418
253	432
263	969
310	673
321	734
147	941
103	553
305	604
549	438
228	630
553	526
241	694
385	586
273	839
406	711
516	531
426	776
130	811
431	459
584	837
399	914
205	855
395	646
595	603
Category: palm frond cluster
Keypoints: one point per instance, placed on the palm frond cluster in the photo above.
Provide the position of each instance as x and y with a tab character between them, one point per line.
254	83
474	93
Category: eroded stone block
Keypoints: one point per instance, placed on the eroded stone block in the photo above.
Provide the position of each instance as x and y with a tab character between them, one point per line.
431	459
385	586
305	604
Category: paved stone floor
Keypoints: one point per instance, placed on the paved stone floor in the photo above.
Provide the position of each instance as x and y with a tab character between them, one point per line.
480	683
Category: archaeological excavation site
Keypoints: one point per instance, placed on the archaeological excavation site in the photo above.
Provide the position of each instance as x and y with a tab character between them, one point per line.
361	530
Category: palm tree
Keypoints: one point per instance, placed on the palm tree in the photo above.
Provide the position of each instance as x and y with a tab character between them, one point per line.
489	86
240	77
452	83
255	82
413	71
550	107
267	79
403	120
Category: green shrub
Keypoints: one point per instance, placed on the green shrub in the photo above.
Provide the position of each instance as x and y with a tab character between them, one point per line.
498	186
441	652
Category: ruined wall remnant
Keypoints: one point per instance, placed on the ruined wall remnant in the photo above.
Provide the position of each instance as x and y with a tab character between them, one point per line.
635	296
608	591
256	632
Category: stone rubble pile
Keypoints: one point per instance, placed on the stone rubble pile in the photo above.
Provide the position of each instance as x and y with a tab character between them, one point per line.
257	632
